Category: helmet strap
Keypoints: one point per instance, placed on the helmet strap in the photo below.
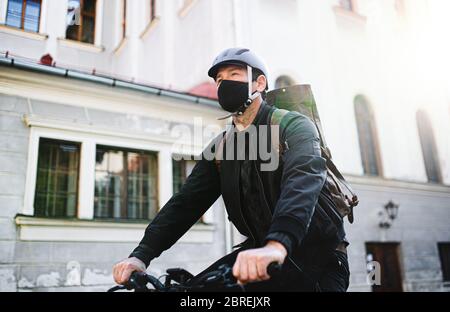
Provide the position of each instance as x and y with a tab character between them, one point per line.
250	80
251	97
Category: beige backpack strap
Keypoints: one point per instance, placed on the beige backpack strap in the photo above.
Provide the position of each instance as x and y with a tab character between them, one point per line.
275	120
277	116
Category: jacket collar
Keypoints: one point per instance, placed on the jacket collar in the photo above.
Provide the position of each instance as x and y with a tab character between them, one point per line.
263	112
261	115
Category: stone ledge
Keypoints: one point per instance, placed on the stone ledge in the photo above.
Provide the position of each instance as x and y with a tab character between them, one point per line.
351	15
46	229
87	47
23	33
412	186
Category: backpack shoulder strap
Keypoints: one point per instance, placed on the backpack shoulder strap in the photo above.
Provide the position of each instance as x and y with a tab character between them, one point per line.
277	119
277	115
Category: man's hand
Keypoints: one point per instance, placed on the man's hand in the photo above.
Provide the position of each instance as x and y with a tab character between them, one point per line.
251	265
123	269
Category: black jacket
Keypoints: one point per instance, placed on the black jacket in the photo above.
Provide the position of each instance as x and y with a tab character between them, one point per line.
295	194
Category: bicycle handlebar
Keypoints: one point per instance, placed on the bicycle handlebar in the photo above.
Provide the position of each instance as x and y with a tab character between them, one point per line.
140	279
221	277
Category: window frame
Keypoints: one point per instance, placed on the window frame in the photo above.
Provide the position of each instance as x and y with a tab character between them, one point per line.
88	141
423	120
124	188
363	146
185	7
352	14
85	227
153	19
78	174
183	169
152	8
80	29
124	19
184	158
22	18
207	216
353	4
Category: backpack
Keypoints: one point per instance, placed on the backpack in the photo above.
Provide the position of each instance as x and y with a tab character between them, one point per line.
299	98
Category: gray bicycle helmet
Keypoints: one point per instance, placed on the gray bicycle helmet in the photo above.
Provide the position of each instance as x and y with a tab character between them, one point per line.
237	56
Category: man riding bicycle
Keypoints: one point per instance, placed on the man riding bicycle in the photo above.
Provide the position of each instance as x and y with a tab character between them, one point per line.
284	212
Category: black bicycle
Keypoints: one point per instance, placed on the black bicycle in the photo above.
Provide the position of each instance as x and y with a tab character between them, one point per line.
180	280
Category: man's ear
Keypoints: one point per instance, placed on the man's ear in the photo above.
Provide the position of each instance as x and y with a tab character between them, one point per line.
261	83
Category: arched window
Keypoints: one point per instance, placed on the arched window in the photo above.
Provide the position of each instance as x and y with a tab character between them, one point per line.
348	4
368	139
284	81
124	18
429	149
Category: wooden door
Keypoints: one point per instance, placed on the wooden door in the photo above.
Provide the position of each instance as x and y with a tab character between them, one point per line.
387	255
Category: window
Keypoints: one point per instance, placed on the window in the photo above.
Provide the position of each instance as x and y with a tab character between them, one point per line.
125	184
185	7
24	14
181	170
444	254
400	6
429	149
152	10
367	135
57	179
124	19
284	81
349	5
81	20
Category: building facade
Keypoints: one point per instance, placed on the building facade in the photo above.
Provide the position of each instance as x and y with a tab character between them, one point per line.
95	96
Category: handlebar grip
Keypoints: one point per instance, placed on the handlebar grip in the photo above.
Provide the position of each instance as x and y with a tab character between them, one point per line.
273	269
137	276
137	280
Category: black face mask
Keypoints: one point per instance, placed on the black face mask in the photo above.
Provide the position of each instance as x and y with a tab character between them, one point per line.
232	94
